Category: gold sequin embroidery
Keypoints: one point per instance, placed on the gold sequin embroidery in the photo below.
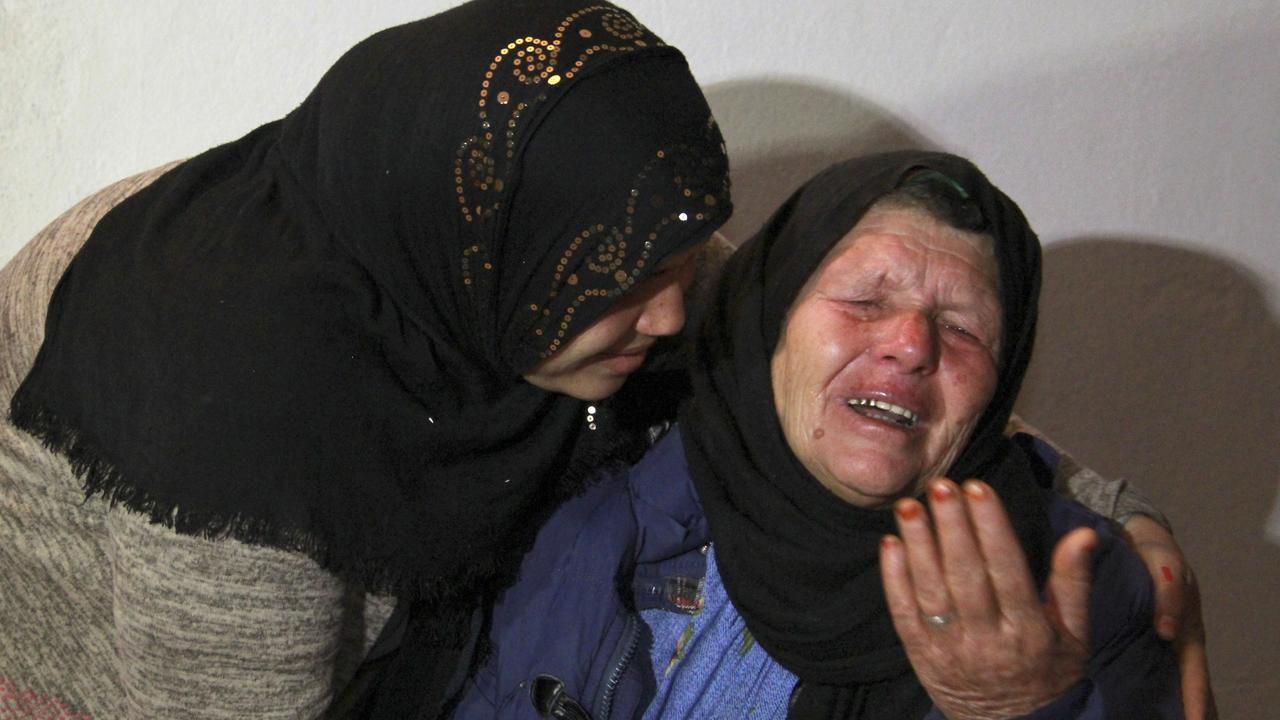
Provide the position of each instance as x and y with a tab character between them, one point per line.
603	252
518	78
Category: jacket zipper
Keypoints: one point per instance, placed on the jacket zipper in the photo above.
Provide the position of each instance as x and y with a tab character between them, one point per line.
621	659
549	699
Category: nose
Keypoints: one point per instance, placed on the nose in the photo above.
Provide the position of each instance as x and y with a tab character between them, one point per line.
662	313
910	341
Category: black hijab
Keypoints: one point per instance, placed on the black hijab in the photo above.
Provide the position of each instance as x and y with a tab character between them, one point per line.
313	337
800	564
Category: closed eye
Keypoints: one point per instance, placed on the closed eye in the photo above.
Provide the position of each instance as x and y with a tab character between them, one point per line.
863	309
962	332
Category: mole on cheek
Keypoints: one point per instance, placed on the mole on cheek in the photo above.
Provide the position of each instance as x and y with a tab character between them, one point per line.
818	433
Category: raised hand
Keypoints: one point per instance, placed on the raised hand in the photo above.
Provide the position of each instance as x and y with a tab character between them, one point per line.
963	601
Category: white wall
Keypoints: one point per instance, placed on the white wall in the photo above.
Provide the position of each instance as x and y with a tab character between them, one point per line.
1140	136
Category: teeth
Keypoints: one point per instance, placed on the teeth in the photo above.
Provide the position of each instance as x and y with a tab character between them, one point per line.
898	414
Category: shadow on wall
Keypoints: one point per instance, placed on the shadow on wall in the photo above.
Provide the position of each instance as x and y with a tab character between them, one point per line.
780	134
1162	365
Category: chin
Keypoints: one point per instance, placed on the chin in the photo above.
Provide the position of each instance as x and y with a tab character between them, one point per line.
872	484
594	391
589	395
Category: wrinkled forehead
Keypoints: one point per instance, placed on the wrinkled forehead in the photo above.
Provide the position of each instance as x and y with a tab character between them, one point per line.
919	231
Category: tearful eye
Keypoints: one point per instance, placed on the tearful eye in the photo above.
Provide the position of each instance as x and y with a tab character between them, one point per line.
962	332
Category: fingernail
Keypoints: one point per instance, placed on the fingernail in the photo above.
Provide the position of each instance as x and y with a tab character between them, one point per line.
1168	574
886	541
940	491
1168	628
975	490
907	510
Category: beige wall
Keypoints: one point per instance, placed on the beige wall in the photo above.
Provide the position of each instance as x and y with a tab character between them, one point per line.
1140	137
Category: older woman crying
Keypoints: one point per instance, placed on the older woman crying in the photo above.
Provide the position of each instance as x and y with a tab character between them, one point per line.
770	556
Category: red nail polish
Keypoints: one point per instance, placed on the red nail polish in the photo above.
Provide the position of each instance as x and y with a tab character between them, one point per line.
907	510
940	492
1168	574
886	542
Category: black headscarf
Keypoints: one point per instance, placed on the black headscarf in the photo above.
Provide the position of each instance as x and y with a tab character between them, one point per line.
800	564
313	337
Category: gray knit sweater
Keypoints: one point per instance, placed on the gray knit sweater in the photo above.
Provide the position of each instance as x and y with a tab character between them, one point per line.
103	614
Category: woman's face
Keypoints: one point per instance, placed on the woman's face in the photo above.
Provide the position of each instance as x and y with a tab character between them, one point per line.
889	355
595	363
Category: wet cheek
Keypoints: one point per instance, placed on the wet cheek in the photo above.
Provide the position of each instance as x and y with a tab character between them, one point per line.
827	350
963	378
964	407
971	376
792	400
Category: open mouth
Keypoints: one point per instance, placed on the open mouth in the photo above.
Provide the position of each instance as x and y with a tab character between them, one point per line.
884	412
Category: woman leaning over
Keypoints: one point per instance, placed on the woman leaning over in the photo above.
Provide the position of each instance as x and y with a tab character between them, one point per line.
769	558
324	360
